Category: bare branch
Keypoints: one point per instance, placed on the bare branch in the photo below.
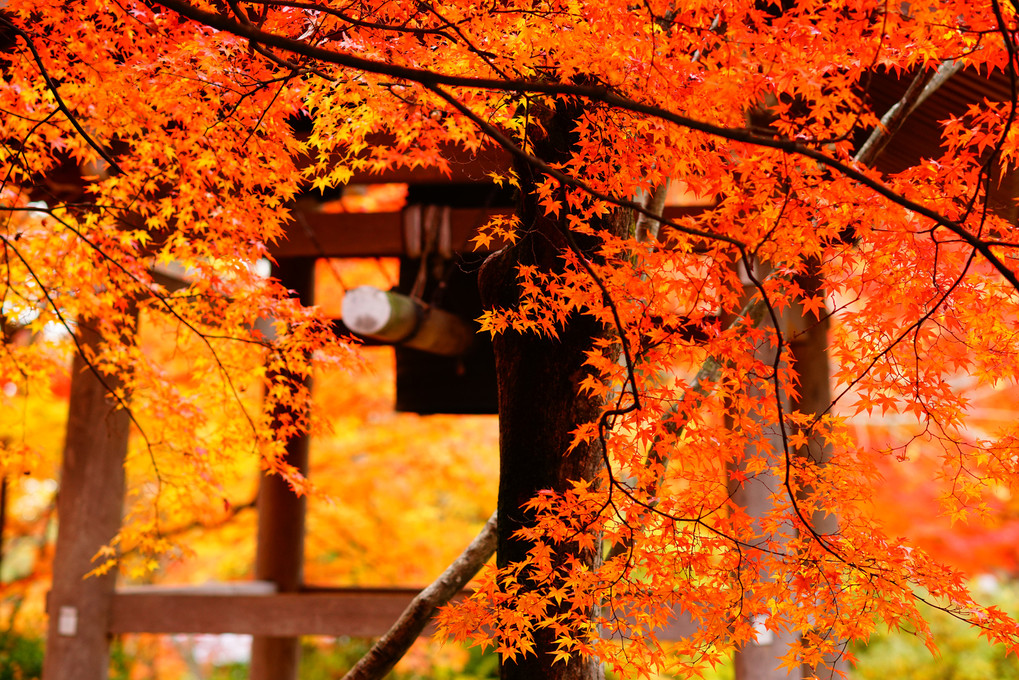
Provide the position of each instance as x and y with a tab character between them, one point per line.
648	225
391	647
918	91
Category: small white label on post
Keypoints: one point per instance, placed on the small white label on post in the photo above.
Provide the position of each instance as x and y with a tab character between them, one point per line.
67	622
764	636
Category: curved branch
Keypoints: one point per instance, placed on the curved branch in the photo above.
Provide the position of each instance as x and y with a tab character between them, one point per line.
343	16
433	80
114	168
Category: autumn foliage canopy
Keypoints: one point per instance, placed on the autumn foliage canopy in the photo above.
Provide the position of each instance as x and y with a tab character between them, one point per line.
196	125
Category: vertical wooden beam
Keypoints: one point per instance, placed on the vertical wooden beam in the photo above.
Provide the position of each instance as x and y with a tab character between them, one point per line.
3	517
89	507
280	553
808	346
759	660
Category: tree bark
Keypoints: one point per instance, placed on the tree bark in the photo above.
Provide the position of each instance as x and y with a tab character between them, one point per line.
539	403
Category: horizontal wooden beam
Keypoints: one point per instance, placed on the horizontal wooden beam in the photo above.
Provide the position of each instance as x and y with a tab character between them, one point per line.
66	183
359	613
353	612
396	319
320	234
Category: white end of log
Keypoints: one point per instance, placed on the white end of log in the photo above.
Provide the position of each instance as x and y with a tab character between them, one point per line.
366	310
394	318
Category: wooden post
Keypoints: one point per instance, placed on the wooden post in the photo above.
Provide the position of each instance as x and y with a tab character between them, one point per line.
89	507
759	660
808	347
3	518
279	556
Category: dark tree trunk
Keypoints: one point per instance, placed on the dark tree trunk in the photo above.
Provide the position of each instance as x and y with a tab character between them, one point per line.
539	404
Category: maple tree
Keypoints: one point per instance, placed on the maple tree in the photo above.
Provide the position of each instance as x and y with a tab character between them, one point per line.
647	367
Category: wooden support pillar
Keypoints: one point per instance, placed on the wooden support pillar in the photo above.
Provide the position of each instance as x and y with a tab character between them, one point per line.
760	660
3	518
280	553
808	347
89	507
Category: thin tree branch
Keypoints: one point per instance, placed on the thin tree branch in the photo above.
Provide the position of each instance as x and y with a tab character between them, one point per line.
917	92
114	168
343	16
649	225
391	647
